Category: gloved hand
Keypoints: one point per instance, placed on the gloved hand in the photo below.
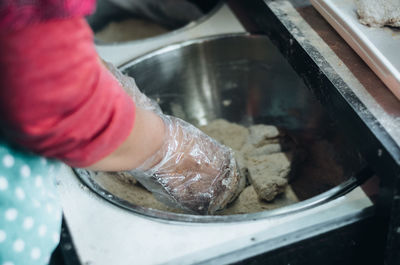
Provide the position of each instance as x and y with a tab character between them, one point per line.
169	13
190	171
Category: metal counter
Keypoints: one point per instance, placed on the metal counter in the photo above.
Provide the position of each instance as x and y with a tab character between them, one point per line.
355	97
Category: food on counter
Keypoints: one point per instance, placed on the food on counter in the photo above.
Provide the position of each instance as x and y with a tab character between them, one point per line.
269	174
135	194
379	13
261	135
227	133
249	202
129	30
123	176
259	154
264	156
316	167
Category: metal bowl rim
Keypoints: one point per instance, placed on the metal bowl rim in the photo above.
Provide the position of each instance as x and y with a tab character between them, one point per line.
171	217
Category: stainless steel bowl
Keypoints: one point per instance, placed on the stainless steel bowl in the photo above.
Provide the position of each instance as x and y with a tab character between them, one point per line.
108	12
244	79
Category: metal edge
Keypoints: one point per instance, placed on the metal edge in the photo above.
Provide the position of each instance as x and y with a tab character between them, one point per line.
180	44
262	246
169	217
316	78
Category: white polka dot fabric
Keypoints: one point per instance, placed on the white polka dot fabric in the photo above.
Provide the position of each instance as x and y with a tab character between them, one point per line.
30	213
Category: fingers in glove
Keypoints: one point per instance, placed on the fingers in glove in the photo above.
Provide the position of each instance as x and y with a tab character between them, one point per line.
196	173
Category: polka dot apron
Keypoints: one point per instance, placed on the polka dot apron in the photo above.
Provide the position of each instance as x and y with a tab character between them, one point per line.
30	213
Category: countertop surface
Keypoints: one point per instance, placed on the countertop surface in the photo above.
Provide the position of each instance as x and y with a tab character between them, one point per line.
106	234
337	60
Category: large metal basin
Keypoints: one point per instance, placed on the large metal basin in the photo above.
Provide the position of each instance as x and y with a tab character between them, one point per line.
108	12
243	79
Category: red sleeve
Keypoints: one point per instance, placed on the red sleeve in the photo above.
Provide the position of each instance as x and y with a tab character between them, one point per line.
17	14
56	97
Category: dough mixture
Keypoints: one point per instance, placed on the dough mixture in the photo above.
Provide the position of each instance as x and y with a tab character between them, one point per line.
264	155
379	13
129	30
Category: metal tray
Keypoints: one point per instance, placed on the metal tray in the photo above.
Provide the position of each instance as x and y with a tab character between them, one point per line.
378	47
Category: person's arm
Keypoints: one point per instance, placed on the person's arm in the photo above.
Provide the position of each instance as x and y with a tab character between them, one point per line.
58	100
145	139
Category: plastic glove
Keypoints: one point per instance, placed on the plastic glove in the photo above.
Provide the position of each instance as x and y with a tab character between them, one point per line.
194	172
130	87
191	171
169	13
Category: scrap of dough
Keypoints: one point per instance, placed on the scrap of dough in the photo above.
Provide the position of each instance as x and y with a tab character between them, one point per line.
379	13
260	158
269	174
249	202
123	176
263	134
227	133
268	188
134	194
277	164
250	150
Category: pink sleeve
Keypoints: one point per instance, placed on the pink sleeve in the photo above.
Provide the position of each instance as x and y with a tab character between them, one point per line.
57	99
17	14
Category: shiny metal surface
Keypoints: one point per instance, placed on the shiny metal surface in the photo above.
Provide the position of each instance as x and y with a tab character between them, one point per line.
376	46
238	77
107	12
243	79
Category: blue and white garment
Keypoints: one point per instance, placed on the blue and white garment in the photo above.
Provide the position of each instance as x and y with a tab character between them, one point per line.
30	211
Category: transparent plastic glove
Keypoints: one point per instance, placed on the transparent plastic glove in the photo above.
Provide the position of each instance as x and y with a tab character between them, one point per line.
130	87
191	170
169	13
